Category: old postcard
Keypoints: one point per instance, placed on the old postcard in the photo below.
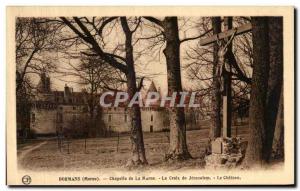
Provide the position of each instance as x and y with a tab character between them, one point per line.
150	96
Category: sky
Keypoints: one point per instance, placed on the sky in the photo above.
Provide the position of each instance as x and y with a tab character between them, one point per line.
151	63
149	60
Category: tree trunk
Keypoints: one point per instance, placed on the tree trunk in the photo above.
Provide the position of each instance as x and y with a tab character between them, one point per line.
215	130
178	147
138	151
275	81
136	136
258	94
278	141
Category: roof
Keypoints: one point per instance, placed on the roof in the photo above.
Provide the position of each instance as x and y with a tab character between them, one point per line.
152	87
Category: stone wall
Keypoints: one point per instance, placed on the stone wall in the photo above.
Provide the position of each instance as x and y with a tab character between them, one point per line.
116	119
71	113
43	121
154	119
112	119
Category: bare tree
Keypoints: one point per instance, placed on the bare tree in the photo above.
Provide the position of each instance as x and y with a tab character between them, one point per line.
90	32
94	75
265	92
257	111
275	81
278	140
34	41
178	147
200	69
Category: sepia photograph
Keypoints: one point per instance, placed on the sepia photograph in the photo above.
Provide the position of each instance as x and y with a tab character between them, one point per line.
150	96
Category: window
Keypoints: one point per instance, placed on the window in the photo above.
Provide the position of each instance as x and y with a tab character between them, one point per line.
151	128
33	117
74	107
109	117
151	117
125	118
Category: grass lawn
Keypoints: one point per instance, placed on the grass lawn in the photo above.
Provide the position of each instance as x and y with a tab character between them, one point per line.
103	153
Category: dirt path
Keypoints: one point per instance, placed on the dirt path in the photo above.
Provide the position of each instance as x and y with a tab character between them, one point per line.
26	150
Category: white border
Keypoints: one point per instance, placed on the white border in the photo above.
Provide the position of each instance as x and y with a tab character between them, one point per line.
5	3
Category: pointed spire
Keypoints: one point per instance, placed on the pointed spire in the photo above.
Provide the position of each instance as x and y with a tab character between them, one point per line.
152	87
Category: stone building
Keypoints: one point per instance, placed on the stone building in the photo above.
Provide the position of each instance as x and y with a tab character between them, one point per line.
154	118
53	112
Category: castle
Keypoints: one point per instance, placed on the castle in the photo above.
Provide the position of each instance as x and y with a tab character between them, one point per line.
54	111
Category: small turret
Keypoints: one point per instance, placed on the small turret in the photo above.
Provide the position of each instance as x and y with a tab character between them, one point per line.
152	87
68	94
44	85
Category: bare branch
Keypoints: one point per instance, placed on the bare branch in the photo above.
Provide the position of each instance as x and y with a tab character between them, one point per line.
90	39
194	38
155	20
